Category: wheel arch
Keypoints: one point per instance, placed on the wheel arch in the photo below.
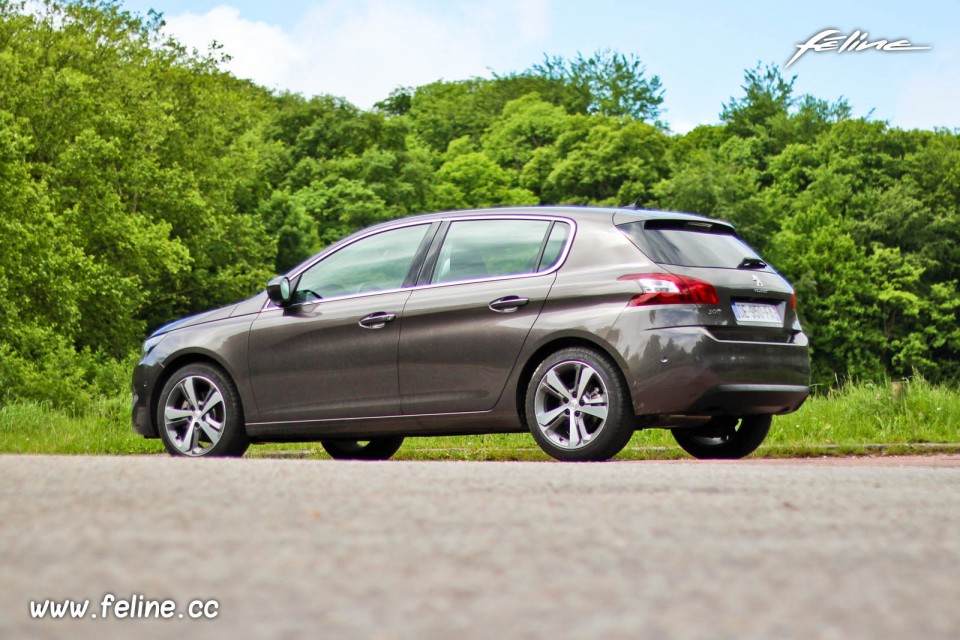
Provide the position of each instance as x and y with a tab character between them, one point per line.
178	362
556	344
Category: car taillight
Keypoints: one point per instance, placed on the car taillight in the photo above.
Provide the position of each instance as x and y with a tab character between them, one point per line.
667	288
793	301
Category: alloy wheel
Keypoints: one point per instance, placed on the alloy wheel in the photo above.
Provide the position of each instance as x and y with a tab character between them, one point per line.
194	415
570	404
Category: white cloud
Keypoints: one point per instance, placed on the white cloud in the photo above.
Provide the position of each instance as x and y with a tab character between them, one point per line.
260	51
683	126
365	49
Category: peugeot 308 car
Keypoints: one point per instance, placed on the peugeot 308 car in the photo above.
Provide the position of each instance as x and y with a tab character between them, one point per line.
581	325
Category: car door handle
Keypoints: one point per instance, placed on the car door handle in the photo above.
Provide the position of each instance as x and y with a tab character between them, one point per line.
508	304
377	320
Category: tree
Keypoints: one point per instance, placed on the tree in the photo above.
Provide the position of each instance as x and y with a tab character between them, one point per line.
616	83
604	160
397	103
140	183
766	94
473	180
526	124
142	166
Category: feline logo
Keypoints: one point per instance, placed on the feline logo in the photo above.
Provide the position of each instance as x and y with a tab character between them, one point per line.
855	42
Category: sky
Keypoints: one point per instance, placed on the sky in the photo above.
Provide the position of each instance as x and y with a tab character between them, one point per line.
363	49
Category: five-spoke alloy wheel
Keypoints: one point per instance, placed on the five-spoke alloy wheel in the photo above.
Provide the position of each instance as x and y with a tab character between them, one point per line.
577	406
199	414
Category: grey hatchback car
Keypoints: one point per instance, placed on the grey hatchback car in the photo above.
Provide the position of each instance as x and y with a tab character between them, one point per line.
581	325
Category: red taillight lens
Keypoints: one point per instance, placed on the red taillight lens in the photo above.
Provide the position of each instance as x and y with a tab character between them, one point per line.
793	301
667	288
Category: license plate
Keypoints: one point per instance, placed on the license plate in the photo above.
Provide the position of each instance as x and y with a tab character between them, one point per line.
757	313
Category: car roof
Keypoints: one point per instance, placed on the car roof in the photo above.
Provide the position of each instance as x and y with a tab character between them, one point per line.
578	213
620	215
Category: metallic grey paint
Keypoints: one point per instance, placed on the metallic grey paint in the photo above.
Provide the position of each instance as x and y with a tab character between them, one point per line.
456	353
449	364
313	360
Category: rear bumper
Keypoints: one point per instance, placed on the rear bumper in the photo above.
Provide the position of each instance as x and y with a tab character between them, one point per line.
687	371
749	399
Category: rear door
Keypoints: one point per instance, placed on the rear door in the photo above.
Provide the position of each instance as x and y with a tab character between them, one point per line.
483	288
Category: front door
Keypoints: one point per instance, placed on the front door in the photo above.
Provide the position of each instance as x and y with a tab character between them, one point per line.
333	353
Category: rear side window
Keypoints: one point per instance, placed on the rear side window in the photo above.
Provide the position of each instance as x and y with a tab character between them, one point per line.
689	243
476	249
555	243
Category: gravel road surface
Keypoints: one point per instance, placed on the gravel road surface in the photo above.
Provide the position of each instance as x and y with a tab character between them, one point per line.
317	549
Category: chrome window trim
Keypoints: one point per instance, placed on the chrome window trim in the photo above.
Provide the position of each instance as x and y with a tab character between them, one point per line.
268	304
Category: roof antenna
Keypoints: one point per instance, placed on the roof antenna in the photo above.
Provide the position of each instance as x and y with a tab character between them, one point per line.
634	205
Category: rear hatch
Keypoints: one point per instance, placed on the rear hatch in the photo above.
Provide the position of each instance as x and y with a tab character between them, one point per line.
755	302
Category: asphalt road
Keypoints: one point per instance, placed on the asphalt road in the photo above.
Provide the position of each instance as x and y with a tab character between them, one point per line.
316	549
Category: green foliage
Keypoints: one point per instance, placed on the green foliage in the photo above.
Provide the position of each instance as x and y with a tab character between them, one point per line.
397	103
769	112
140	183
603	160
126	166
767	94
615	82
340	206
441	112
334	169
473	180
526	124
912	411
607	83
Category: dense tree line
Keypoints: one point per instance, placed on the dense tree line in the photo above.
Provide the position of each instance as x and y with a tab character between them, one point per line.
140	182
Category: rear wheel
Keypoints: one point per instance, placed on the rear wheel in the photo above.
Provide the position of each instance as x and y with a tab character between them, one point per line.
199	414
724	437
577	406
374	449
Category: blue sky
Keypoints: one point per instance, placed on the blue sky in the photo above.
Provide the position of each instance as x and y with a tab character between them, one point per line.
362	49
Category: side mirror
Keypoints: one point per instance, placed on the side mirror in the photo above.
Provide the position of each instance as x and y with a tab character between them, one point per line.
278	290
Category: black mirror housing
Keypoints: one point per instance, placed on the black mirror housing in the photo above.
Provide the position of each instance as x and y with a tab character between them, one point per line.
279	291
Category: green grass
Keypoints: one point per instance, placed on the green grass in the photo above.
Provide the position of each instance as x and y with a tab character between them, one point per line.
103	429
857	419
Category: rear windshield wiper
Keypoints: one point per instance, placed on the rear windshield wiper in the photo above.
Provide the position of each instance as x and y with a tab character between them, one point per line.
751	263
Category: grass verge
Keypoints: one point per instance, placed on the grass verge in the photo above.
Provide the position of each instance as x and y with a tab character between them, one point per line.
913	417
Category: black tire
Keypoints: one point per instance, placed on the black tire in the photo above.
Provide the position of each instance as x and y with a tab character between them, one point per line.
373	449
723	439
210	409
576	433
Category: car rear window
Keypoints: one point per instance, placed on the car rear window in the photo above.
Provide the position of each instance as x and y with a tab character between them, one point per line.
688	243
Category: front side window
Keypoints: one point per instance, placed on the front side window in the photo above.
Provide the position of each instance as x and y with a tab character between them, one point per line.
476	249
377	263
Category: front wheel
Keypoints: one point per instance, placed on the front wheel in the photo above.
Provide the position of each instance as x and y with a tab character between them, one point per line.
199	414
724	438
578	407
373	449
